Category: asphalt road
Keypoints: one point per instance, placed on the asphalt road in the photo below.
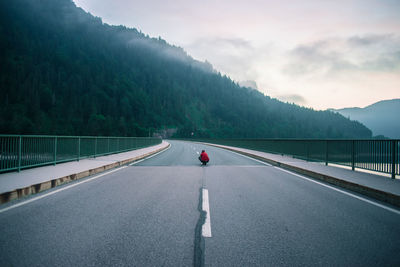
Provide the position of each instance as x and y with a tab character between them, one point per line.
146	215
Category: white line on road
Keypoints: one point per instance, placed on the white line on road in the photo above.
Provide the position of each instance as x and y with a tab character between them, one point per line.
341	191
262	162
59	190
136	162
206	230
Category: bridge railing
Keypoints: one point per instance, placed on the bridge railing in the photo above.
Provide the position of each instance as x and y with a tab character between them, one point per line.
25	151
375	155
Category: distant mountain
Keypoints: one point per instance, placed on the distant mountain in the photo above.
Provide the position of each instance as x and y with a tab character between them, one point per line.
64	71
383	117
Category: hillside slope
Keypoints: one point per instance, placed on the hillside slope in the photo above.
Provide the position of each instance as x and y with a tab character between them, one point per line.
65	72
381	117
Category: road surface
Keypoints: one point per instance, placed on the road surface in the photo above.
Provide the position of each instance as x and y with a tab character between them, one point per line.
151	214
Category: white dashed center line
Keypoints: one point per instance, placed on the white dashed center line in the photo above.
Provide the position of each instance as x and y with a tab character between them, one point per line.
206	230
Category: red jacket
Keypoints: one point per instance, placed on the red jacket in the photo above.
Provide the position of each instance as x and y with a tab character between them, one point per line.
204	156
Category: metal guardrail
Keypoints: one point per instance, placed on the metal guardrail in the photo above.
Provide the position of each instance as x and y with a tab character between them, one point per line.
25	151
375	155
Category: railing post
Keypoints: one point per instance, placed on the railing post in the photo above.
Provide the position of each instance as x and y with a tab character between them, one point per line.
326	153
19	152
79	148
95	146
352	155
394	150
55	150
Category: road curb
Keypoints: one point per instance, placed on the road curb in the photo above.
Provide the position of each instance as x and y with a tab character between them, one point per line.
40	187
361	189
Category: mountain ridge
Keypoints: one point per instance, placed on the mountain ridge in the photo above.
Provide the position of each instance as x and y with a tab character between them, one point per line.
381	117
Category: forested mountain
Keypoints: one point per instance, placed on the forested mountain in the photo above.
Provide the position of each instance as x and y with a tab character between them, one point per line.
63	71
381	117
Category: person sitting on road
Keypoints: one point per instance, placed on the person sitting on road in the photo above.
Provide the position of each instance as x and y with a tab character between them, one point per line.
204	157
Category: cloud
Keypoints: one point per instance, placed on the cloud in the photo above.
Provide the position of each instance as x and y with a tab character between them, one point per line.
378	53
162	48
221	49
236	43
368	40
249	84
236	57
292	98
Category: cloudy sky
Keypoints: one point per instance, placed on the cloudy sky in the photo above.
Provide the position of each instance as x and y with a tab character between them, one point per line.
316	53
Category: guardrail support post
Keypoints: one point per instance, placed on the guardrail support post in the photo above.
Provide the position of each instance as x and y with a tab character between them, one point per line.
19	152
55	150
352	155
326	153
95	146
79	148
394	149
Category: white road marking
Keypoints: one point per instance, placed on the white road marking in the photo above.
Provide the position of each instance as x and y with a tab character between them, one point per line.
341	191
136	162
59	190
262	162
206	230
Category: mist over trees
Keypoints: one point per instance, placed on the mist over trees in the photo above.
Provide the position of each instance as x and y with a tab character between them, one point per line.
62	71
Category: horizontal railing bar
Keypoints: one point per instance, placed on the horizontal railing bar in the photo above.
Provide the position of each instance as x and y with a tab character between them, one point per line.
73	136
